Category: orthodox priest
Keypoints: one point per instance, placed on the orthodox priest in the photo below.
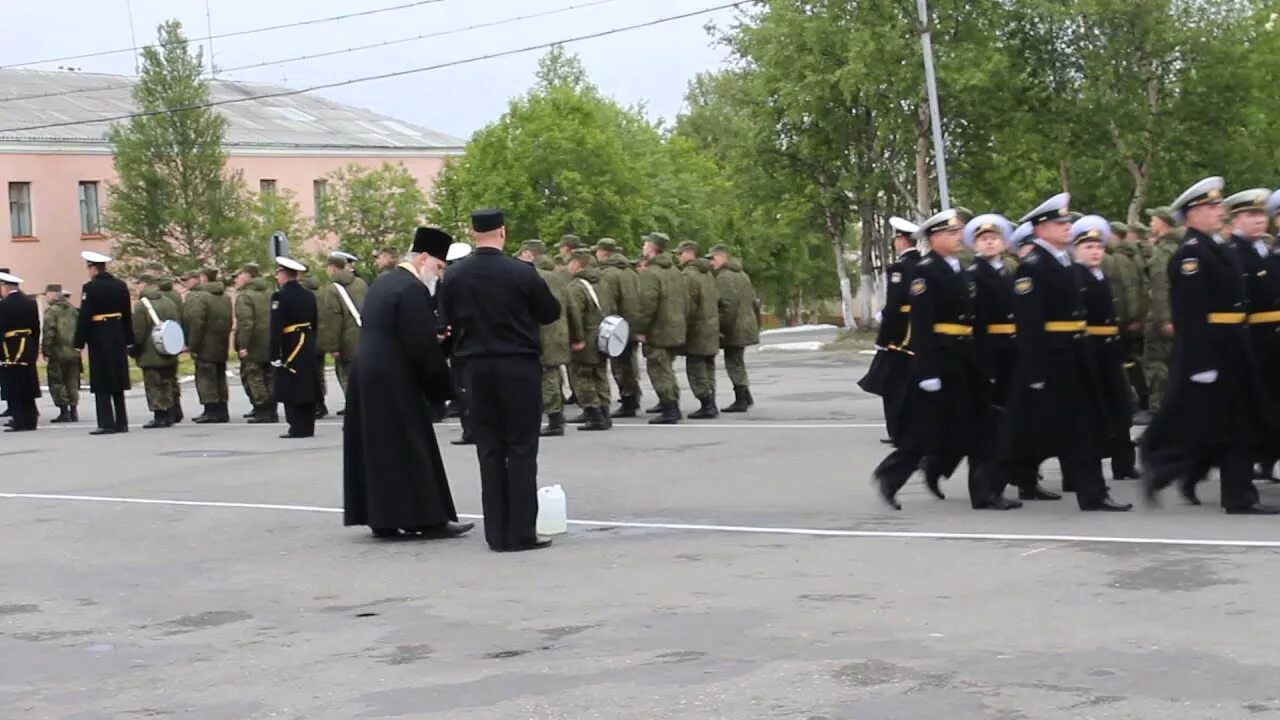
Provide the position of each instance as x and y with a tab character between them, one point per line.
393	476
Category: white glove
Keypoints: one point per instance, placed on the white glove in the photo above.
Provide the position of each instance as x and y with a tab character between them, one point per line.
880	348
277	363
931	385
1208	377
1037	386
879	317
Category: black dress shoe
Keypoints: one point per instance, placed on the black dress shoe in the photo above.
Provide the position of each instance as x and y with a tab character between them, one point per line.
15	428
1130	475
385	533
886	492
1187	489
1106	504
999	502
447	530
103	431
535	545
1255	509
1037	493
291	436
931	481
886	441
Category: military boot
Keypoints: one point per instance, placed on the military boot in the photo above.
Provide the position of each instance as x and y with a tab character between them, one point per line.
251	413
161	419
75	414
594	419
751	402
580	418
204	417
322	412
604	417
264	415
628	408
64	414
708	410
220	414
669	415
741	401
175	413
555	425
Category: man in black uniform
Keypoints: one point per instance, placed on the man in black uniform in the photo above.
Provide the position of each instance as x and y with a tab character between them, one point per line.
1054	403
105	325
19	347
495	306
889	373
945	398
994	327
293	348
1214	412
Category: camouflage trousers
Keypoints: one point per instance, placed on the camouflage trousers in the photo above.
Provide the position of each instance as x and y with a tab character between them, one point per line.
159	384
342	368
322	384
590	384
64	382
552	399
661	375
735	363
211	382
256	378
701	371
1155	364
626	372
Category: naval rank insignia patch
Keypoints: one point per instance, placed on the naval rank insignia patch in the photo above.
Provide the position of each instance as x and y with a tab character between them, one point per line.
1023	286
918	286
1190	266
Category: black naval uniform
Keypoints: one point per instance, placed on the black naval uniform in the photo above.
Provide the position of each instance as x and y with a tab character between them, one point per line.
894	360
1106	343
19	350
496	305
293	352
941	425
1262	288
1054	403
105	326
994	326
1223	422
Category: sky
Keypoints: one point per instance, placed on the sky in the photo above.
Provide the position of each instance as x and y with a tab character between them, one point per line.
651	65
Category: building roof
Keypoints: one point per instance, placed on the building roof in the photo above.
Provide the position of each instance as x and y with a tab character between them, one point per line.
301	122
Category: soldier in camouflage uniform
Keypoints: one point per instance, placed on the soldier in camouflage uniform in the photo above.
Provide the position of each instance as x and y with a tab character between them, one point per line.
703	337
568	243
253	343
662	321
385	260
159	372
1158	329
207	321
739	323
165	284
618	281
60	354
1125	270
585	310
554	337
339	333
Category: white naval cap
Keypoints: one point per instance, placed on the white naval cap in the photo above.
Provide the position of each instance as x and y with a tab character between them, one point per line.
987	222
1273	203
93	257
1245	200
8	279
290	264
1206	192
1021	234
1090	228
945	220
338	254
902	226
457	251
1055	209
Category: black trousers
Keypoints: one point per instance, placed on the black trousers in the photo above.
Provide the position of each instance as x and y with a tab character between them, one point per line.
301	419
23	413
1191	465
457	367
504	399
1081	474
111	411
901	464
1124	457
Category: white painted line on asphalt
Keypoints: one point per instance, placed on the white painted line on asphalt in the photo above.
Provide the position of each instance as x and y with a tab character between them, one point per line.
740	529
699	425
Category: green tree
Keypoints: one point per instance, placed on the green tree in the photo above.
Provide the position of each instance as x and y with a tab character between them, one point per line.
174	203
267	213
369	208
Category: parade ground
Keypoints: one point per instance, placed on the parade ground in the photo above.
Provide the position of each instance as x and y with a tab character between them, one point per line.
736	568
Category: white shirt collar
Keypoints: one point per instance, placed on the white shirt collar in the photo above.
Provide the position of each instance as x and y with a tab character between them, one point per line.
1097	272
954	263
1261	247
996	262
1062	256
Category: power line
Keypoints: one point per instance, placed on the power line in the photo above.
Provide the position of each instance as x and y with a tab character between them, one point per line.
329	53
238	33
384	76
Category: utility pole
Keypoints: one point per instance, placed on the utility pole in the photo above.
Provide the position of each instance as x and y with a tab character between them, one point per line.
133	38
931	84
208	20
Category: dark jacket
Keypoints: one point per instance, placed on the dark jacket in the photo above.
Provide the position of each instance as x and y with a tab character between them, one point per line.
894	319
19	346
293	344
739	306
144	351
496	305
338	329
253	321
585	316
105	326
58	335
703	337
1106	345
662	311
994	326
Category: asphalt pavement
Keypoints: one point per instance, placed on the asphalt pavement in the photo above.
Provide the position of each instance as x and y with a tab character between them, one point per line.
739	568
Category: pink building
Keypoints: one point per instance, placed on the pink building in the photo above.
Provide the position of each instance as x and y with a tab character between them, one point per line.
55	179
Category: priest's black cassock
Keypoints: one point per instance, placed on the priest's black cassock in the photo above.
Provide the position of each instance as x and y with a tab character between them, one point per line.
393	475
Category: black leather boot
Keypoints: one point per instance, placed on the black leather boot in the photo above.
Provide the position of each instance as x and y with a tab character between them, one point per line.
204	417
555	425
741	401
75	414
708	410
578	419
161	419
669	415
604	417
64	415
629	408
594	421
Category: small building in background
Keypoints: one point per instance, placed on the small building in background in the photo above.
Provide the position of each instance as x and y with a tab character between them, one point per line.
55	179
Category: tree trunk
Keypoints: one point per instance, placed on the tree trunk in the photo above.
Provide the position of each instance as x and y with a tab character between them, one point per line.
1064	175
924	188
835	231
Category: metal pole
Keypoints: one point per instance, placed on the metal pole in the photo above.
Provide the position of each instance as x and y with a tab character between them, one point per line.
208	19
935	118
133	38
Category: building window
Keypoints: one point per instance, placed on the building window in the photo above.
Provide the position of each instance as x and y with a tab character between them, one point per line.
90	216
267	187
319	189
20	209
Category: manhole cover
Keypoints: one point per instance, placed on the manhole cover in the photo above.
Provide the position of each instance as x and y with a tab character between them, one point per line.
204	453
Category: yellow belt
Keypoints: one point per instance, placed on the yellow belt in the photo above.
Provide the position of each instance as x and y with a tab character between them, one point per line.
1227	318
18	333
1002	329
1105	330
905	309
107	316
1264	317
300	329
11	359
953	329
291	329
1065	326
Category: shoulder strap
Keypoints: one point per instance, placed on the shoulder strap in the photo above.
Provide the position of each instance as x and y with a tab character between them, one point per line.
346	300
155	319
590	291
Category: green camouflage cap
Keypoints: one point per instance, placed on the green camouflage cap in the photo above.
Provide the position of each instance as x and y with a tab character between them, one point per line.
1140	228
686	246
252	268
659	240
53	287
535	246
583	255
717	249
1164	212
608	245
571	241
560	261
1119	228
147	277
190	274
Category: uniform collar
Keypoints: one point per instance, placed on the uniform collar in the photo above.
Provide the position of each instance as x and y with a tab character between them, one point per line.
953	263
1096	272
1062	256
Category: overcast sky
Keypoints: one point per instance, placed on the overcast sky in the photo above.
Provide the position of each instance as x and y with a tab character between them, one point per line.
651	65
